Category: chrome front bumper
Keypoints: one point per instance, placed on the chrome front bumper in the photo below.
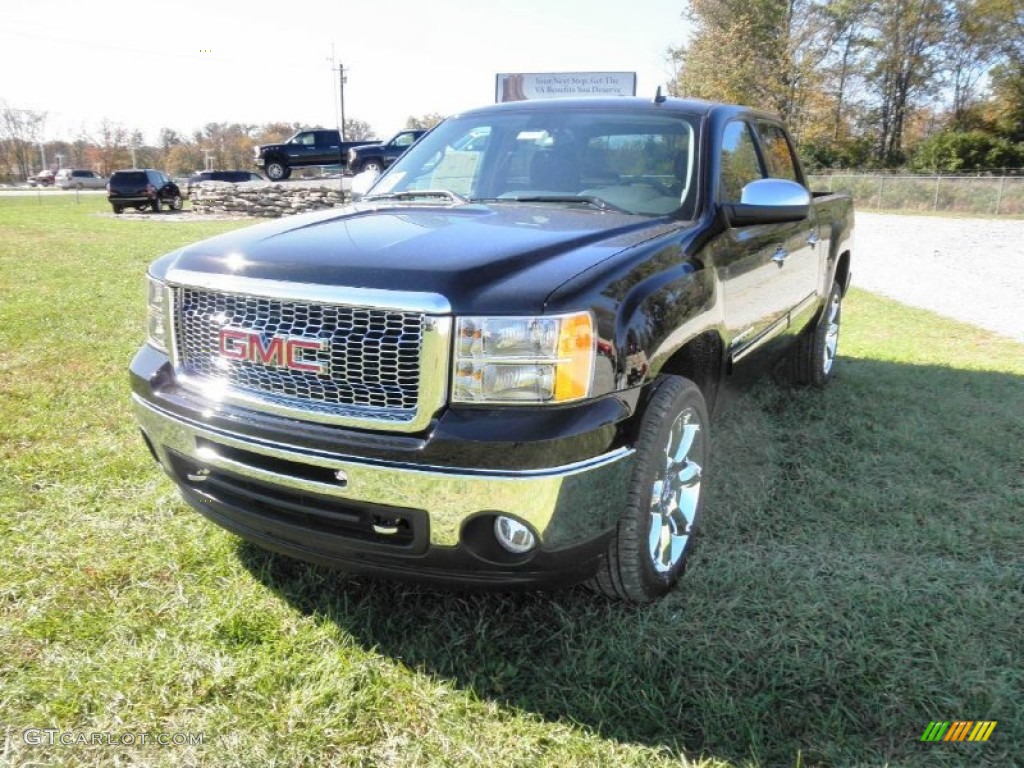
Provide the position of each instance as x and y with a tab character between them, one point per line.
565	505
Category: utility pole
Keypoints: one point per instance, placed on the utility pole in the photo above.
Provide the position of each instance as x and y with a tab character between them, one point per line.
341	79
334	90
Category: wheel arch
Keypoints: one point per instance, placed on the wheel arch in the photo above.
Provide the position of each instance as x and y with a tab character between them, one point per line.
842	271
702	361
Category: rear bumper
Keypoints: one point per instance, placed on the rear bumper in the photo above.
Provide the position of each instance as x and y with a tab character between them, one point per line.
129	199
392	517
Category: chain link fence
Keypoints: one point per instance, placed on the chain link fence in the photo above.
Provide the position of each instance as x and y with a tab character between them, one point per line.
992	195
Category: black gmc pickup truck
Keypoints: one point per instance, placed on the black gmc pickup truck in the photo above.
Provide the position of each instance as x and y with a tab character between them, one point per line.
380	155
303	149
497	368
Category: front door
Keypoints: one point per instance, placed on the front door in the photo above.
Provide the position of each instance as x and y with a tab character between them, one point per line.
751	261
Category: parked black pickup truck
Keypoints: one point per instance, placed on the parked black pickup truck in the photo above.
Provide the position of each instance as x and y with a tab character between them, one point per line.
380	155
305	148
497	368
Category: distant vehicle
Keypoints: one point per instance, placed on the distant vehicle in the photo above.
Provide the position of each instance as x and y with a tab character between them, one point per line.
141	189
305	148
380	156
41	179
233	177
78	178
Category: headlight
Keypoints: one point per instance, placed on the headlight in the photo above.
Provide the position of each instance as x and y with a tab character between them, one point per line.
156	330
545	359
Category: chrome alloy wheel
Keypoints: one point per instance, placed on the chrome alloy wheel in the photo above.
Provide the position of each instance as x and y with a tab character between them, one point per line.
831	334
676	492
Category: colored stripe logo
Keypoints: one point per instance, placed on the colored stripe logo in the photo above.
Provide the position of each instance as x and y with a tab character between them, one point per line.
959	730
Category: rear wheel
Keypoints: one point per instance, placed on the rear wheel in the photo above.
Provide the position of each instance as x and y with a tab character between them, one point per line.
813	359
277	170
118	208
654	536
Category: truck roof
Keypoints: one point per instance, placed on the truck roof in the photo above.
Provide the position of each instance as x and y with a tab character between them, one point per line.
624	103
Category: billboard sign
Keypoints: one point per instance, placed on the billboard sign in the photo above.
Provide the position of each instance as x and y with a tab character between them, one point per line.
511	86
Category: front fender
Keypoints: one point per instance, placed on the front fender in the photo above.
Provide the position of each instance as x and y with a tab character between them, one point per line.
658	317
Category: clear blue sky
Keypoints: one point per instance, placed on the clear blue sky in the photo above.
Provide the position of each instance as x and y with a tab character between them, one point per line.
184	63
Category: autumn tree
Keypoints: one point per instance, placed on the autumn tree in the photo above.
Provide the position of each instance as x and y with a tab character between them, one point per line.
358	130
423	122
110	148
21	131
765	53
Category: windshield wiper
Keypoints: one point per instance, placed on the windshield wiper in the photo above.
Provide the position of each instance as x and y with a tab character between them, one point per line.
412	194
592	200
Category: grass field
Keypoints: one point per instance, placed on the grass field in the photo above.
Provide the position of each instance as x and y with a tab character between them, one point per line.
860	572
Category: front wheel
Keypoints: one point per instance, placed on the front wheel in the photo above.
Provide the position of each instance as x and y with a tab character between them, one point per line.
177	203
277	171
813	359
654	536
373	165
118	209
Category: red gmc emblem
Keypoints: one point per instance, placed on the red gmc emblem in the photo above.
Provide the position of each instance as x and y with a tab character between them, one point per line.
282	351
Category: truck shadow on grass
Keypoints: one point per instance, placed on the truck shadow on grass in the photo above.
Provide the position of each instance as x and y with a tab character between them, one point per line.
858	575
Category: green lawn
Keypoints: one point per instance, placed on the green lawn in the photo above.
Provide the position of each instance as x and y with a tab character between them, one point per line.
860	571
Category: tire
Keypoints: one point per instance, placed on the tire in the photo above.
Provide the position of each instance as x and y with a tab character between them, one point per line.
648	551
177	203
278	170
141	206
813	359
373	165
118	209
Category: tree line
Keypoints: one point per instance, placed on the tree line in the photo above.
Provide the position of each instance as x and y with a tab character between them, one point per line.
111	146
923	84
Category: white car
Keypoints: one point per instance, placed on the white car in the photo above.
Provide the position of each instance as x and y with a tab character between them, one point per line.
76	178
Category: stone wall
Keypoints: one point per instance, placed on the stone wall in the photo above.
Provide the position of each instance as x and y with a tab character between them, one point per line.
263	200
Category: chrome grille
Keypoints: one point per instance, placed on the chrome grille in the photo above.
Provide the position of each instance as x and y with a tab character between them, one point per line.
371	358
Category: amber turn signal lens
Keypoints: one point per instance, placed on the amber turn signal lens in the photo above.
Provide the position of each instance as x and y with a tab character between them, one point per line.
575	357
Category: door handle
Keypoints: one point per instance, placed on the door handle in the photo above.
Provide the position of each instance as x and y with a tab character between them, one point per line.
781	254
812	239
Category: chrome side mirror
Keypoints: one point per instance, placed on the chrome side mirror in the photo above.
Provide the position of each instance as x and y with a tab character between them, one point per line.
770	201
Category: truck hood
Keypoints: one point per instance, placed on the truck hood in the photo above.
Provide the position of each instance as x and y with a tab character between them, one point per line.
482	259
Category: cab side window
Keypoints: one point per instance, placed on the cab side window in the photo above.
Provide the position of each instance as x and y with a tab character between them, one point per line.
403	140
777	153
305	139
739	162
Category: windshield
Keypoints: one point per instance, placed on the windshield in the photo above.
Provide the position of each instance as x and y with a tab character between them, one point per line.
640	163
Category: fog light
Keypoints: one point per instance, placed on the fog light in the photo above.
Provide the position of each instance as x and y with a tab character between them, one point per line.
513	535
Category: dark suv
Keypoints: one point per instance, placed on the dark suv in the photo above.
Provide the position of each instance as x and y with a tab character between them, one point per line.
141	189
234	177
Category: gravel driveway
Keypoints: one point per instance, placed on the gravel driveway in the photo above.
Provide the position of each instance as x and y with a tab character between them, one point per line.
968	269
